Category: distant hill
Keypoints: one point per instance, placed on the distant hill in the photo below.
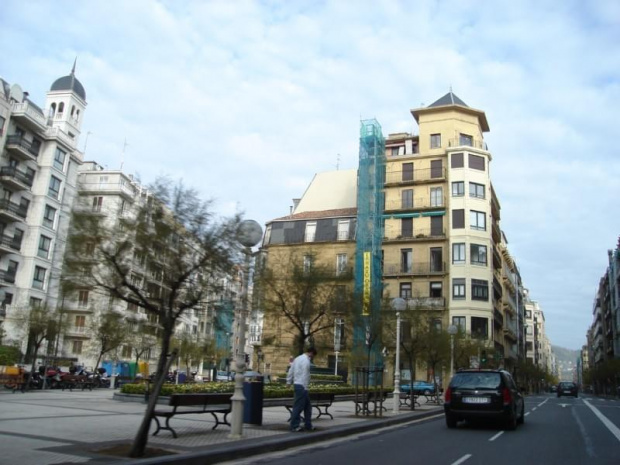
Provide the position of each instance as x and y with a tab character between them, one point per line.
565	355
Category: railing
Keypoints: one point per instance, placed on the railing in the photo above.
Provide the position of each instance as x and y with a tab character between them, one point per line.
13	172
27	110
426	302
424	268
476	143
418	234
7	277
498	317
32	149
14	208
417	175
415	204
10	242
57	133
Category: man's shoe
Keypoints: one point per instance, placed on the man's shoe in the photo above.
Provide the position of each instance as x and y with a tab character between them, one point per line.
299	429
312	428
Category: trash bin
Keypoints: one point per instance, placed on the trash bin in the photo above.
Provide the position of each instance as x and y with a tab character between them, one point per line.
253	393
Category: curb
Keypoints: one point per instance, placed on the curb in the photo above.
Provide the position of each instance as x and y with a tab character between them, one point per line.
244	449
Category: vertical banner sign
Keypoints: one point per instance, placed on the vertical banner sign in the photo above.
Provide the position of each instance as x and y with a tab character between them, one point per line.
366	296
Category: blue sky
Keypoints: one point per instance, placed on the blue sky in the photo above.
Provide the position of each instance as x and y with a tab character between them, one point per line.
247	100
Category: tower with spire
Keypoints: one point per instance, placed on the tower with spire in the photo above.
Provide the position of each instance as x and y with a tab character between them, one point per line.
65	104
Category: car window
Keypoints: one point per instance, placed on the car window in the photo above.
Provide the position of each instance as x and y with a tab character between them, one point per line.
476	380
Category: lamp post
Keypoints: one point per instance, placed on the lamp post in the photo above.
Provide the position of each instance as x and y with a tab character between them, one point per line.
452	330
249	234
399	305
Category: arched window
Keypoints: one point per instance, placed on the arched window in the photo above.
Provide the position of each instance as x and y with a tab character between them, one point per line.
61	107
72	110
77	115
52	110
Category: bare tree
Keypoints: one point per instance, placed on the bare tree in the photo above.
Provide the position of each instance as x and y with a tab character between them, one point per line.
164	256
108	332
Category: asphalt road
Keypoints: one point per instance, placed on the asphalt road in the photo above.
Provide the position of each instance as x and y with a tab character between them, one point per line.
563	431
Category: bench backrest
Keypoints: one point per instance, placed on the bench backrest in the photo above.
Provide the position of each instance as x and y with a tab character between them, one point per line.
322	397
74	378
180	400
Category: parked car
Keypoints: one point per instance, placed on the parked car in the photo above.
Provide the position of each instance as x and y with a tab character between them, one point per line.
484	395
566	388
419	388
224	376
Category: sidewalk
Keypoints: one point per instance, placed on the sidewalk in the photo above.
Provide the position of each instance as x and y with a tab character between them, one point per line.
56	427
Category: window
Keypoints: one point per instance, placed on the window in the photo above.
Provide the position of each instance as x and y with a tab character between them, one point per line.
59	159
2	120
343	230
407	198
97	203
80	322
437	226
476	190
458	189
35	302
341	264
307	263
44	246
477	220
479	290
458	288
456	161
436	259
406	227
436	196
435	289
435	141
407	172
39	277
478	254
24	203
528	314
83	298
405	291
310	231
18	236
77	347
459	322
11	271
458	253
479	327
49	216
476	162
54	189
466	139
458	219
436	169
406	260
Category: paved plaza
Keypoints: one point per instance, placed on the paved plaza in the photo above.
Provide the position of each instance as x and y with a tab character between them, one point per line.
58	427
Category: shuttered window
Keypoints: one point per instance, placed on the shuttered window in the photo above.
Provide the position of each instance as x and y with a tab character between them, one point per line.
476	162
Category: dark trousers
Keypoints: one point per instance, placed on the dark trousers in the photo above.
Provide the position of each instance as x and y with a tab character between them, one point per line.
301	403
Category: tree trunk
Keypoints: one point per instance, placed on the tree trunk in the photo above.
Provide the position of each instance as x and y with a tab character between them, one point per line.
163	365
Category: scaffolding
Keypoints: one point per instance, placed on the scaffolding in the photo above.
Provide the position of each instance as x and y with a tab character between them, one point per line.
369	235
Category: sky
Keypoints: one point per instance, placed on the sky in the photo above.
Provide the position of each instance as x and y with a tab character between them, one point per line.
247	100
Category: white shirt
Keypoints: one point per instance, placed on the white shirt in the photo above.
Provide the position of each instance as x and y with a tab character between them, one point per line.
299	372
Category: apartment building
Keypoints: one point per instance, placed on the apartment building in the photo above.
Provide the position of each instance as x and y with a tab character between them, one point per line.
39	162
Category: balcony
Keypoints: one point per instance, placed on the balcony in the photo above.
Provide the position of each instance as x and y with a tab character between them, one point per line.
415	236
426	303
59	135
29	116
77	331
422	203
415	269
462	142
496	233
22	148
16	179
498	318
421	176
7	277
10	244
12	211
510	334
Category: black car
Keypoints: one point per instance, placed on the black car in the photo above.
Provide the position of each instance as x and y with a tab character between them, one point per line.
566	388
484	394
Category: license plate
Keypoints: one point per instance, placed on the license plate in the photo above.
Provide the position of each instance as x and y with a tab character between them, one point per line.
476	400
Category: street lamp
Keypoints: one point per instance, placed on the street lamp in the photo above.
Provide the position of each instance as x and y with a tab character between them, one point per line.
249	234
452	330
399	305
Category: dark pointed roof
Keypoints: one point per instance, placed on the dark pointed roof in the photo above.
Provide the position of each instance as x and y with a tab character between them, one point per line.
71	83
448	99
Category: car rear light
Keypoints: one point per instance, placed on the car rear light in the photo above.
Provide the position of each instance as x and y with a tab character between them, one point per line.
448	396
507	396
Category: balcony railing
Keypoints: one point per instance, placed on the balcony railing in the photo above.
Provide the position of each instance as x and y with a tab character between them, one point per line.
415	269
498	317
13	208
11	242
18	141
7	277
460	142
417	235
426	303
33	115
422	203
12	172
417	175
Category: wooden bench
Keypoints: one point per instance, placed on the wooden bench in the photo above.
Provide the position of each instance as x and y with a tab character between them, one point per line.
319	400
72	382
196	403
364	399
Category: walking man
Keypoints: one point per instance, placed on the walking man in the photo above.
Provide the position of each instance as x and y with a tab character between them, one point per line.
299	376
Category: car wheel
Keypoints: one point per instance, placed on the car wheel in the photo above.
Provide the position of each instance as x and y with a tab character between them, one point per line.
511	422
521	419
450	421
427	392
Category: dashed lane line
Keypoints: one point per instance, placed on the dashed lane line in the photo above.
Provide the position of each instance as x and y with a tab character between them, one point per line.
496	436
462	459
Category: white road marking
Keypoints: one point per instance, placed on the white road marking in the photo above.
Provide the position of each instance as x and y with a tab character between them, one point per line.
496	436
527	413
534	408
543	402
610	426
462	459
564	405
